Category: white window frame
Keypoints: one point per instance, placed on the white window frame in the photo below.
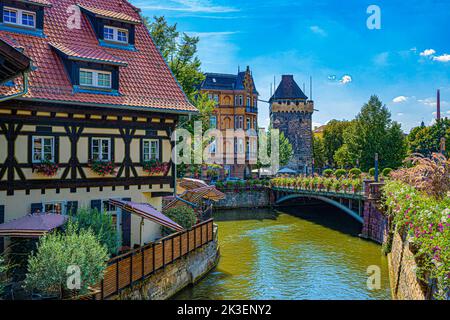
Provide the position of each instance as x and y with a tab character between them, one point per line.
116	34
149	158
95	76
33	139
63	206
211	122
19	14
100	151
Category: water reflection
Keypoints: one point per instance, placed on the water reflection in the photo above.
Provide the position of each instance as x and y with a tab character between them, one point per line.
291	253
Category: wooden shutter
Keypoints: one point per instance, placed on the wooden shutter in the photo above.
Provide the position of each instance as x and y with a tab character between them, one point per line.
72	207
126	226
96	204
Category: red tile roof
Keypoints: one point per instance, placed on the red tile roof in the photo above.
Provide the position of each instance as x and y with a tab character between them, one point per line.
41	2
110	14
88	54
145	83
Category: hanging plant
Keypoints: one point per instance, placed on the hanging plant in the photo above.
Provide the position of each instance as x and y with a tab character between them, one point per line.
103	168
46	168
156	167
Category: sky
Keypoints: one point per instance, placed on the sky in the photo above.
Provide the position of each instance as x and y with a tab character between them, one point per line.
403	60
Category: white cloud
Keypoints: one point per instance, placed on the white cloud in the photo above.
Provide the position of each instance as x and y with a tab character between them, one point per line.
318	30
442	58
400	114
427	52
400	99
346	79
204	6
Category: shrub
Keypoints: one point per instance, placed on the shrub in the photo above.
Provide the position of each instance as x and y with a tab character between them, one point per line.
328	173
431	175
4	268
102	168
372	172
184	216
340	173
355	173
386	172
48	266
155	167
102	226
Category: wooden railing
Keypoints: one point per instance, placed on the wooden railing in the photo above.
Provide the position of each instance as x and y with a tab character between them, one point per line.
126	270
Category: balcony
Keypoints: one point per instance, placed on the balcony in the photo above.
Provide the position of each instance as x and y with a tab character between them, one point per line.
251	109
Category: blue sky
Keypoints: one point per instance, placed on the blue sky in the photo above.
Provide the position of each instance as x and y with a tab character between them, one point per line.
404	62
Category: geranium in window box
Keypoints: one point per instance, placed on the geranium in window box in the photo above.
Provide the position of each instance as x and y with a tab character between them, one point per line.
46	168
103	168
155	167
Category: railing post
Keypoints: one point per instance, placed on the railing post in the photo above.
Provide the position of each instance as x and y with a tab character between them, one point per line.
153	258
181	244
172	249
117	276
164	253
102	292
143	262
131	269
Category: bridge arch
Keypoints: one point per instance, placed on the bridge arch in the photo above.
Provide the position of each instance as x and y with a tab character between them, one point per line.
334	203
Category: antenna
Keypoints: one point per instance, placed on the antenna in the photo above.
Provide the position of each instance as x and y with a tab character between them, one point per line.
310	88
271	94
274	84
304	88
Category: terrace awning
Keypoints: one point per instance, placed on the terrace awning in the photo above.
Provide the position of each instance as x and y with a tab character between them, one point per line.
194	197
146	211
32	226
189	184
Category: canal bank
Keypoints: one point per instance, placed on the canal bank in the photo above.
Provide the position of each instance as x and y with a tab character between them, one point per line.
295	253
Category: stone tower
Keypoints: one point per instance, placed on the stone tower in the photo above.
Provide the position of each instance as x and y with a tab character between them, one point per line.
291	113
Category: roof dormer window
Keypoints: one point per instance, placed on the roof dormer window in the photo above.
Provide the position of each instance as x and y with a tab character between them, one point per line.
95	78
115	34
18	17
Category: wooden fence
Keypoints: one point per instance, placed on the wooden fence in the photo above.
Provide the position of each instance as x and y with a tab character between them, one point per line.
125	270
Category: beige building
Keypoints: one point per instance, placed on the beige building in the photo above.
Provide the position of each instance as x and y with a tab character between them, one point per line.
93	118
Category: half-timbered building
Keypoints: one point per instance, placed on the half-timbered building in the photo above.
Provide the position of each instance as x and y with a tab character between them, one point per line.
98	112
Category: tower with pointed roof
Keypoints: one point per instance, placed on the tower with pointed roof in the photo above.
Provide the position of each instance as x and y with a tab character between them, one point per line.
291	112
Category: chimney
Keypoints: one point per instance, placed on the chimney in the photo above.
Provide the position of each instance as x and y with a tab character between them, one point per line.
438	116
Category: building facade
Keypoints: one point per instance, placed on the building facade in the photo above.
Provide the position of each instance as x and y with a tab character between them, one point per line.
237	109
100	109
291	113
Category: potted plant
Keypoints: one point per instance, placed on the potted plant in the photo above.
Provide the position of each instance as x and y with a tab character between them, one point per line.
155	167
46	168
102	168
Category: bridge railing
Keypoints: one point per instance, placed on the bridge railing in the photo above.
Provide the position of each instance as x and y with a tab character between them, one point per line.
322	191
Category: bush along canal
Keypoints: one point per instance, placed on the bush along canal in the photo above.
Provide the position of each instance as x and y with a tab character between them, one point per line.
292	253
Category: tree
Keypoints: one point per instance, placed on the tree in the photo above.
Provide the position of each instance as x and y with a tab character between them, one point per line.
320	158
427	140
185	216
102	226
374	132
285	148
342	157
333	139
179	54
48	267
4	269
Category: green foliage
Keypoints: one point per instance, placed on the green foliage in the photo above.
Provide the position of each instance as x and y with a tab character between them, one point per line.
333	139
342	157
426	221
386	172
319	152
339	173
319	184
184	216
48	266
374	132
372	172
355	173
180	54
427	140
328	172
4	269
102	226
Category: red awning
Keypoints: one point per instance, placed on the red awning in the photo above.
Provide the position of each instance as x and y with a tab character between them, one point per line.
148	212
32	226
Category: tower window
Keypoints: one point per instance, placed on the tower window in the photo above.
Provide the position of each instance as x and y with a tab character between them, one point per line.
115	34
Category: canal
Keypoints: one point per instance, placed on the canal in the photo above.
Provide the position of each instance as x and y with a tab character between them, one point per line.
292	253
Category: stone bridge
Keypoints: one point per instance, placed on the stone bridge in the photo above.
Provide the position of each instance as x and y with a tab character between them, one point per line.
361	206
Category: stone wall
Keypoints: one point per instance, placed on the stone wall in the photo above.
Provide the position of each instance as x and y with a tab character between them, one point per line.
402	272
375	221
245	199
166	282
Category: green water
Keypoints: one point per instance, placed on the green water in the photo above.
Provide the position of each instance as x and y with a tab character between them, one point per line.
297	253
